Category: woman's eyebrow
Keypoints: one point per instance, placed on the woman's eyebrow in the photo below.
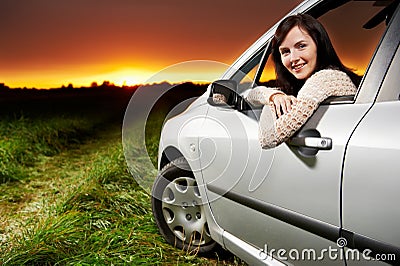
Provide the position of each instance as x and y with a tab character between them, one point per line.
300	41
282	48
296	43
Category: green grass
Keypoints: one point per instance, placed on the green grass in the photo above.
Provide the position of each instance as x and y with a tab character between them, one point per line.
67	198
23	140
43	123
106	219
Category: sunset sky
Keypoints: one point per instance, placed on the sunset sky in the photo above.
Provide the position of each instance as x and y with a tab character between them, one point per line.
49	43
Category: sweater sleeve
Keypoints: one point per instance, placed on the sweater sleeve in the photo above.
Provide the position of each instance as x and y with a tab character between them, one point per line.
321	85
261	95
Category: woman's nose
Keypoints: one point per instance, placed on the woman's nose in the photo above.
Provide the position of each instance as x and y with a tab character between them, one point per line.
294	56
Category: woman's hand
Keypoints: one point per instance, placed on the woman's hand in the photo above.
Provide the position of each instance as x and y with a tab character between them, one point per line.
282	103
219	98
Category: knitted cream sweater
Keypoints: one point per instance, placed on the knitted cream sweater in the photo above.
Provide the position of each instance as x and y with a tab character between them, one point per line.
318	87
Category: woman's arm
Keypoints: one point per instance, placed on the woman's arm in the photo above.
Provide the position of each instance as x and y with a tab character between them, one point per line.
261	95
321	85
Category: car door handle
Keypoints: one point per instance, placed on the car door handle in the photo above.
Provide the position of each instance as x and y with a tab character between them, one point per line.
320	143
309	141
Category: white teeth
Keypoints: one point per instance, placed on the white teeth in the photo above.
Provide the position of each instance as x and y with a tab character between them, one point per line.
297	67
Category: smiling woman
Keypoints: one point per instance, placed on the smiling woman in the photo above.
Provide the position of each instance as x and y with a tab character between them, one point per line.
299	53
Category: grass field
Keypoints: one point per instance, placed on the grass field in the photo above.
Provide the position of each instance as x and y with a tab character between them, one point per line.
66	197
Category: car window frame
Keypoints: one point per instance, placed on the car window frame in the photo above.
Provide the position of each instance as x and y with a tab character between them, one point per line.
380	62
249	65
390	91
367	89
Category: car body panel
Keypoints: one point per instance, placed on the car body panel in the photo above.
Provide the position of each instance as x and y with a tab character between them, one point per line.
180	135
277	197
248	171
371	170
371	165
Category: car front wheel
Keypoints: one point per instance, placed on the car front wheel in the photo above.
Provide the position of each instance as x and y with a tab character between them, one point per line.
177	208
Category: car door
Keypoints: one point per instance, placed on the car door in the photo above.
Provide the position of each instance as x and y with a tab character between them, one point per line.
281	198
277	198
371	212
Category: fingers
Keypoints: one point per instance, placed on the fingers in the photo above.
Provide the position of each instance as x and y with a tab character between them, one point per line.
279	102
283	103
219	98
293	99
277	108
289	101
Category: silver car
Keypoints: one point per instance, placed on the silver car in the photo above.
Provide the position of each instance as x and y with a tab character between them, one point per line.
330	194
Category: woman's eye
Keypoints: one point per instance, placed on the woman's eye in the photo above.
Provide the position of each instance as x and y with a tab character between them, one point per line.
302	45
284	52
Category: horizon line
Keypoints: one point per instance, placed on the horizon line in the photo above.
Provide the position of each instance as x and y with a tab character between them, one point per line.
105	83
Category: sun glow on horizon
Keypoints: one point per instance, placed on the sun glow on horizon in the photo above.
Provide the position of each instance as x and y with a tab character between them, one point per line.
50	79
120	77
193	71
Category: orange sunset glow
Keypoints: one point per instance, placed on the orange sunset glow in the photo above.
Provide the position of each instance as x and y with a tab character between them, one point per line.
50	43
53	43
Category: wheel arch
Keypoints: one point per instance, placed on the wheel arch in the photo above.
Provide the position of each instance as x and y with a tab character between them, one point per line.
168	155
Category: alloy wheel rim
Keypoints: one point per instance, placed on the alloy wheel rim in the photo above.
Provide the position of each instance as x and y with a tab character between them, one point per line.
183	212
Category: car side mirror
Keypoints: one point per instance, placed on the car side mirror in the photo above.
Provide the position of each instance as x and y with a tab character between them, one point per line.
223	93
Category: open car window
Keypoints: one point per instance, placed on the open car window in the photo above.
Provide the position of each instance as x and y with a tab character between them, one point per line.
355	28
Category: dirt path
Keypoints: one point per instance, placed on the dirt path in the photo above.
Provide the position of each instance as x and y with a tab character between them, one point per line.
23	204
26	205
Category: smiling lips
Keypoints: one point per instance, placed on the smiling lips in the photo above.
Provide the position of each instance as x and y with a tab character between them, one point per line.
298	67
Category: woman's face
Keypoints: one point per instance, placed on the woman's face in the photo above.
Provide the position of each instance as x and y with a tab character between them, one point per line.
299	53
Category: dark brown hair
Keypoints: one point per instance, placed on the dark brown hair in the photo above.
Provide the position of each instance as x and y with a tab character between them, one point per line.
326	54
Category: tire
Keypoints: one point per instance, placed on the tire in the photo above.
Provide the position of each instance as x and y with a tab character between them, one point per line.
177	209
